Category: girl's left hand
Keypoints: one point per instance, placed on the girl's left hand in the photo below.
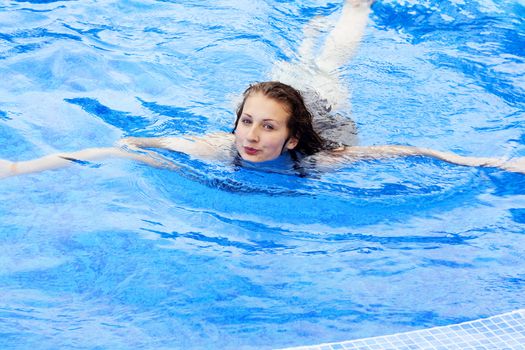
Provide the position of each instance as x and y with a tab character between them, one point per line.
516	165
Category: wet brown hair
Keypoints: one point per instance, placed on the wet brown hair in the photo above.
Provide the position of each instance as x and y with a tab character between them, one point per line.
300	122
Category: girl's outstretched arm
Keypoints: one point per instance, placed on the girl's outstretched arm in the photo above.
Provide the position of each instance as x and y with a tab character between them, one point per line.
61	160
375	152
210	146
135	148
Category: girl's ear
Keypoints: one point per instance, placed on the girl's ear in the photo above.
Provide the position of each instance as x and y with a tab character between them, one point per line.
292	143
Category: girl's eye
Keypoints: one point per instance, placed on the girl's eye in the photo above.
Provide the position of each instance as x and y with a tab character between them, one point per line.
269	127
246	121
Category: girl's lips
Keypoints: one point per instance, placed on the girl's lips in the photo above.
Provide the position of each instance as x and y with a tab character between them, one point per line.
251	151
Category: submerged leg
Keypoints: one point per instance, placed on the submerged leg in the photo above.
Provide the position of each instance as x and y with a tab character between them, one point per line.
341	43
311	33
319	72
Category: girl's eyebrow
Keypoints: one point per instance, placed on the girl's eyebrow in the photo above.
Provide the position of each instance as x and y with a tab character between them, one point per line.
264	120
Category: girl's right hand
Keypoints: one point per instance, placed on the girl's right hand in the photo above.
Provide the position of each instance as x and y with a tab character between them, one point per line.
6	168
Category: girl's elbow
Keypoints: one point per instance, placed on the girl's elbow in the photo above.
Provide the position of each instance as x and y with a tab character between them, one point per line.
126	141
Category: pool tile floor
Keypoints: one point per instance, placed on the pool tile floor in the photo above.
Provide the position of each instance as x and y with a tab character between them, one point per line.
506	331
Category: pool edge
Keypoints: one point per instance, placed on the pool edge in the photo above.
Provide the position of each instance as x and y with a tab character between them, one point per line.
503	331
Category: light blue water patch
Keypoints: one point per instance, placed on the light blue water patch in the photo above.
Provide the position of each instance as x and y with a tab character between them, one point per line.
116	254
20	146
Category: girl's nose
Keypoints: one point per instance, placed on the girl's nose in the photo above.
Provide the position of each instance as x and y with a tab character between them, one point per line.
253	135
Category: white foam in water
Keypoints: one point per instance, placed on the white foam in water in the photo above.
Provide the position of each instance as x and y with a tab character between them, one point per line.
506	331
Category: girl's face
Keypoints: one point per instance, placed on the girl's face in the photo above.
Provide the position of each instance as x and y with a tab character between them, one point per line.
262	132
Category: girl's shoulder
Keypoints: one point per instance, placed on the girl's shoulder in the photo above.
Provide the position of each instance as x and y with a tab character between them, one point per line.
213	146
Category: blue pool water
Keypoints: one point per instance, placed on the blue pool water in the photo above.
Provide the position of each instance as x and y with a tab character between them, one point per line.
118	255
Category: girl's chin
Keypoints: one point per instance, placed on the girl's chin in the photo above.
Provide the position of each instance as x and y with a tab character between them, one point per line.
251	158
255	157
258	158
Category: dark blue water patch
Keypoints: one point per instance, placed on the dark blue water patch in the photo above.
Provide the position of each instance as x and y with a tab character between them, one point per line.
122	120
522	139
241	180
43	10
305	207
39	33
180	122
518	215
314	313
98	268
306	14
493	82
514	39
447	263
419	20
278	51
201	183
223	242
283	28
407	242
94	32
507	183
4	116
154	30
44	1
18	49
282	32
518	281
46	38
516	123
424	23
215	28
251	226
409	18
431	318
230	178
6	37
82	162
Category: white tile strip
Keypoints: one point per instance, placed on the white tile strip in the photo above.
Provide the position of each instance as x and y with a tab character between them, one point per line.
501	332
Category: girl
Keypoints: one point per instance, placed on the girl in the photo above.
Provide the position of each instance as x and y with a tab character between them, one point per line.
274	121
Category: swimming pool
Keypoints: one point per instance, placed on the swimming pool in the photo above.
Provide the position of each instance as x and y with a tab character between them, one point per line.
121	255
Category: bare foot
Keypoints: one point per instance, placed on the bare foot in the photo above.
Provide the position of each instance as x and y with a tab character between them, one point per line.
360	3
